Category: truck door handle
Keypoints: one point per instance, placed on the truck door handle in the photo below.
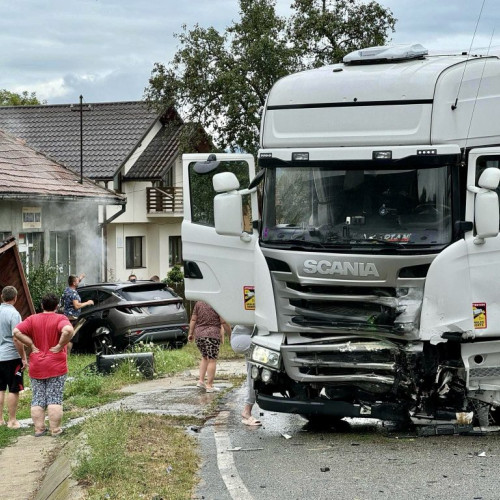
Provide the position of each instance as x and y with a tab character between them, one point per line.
192	271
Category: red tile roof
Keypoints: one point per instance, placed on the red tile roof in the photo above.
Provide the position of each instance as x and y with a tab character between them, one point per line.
25	173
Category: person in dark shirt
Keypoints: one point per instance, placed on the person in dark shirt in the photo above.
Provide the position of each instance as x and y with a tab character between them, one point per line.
72	303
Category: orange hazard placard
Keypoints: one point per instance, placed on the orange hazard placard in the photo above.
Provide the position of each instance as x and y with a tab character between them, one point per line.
479	313
249	297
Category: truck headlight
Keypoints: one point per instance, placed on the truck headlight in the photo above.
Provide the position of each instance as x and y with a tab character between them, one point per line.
265	356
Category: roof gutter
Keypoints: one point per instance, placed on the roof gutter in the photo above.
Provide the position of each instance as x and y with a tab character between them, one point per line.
115	216
34	197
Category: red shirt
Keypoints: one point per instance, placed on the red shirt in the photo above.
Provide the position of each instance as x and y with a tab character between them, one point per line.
45	331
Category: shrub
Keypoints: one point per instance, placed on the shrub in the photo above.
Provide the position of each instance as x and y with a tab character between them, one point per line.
42	279
175	276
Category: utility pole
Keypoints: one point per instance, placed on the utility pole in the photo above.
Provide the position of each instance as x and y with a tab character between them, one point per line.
81	109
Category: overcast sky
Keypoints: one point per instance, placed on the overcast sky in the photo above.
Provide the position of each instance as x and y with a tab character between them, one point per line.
106	49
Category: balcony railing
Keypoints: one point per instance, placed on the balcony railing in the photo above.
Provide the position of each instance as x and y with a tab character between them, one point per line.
164	200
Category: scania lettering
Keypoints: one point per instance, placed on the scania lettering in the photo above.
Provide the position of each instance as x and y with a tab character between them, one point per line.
342	268
365	252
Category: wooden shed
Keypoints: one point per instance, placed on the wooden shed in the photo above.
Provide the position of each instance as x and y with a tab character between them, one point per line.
12	273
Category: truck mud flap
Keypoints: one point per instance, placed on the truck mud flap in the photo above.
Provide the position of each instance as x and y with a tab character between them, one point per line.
381	411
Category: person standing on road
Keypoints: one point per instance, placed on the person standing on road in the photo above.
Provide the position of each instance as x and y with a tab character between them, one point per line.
241	339
46	334
72	304
12	357
207	329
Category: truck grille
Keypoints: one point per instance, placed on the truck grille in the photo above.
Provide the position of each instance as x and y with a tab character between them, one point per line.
312	307
357	361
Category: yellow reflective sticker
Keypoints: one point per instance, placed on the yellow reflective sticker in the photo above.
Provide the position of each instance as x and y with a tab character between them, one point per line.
479	312
249	297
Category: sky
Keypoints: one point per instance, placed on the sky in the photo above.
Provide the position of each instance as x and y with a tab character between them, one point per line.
105	50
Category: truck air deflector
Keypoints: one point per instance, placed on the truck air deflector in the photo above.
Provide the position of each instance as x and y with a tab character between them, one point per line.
349	104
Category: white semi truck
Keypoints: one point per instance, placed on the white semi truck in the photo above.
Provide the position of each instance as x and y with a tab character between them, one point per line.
369	264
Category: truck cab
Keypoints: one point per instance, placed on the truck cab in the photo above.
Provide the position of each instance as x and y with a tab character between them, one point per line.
366	251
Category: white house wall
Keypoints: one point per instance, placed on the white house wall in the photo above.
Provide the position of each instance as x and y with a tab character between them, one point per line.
155	249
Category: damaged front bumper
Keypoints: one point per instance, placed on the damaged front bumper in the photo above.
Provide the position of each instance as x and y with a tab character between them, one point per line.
382	411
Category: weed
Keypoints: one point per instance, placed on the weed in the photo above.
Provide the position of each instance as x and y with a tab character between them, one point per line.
130	455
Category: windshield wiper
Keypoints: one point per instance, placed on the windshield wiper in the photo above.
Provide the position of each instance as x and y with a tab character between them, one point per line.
388	243
305	244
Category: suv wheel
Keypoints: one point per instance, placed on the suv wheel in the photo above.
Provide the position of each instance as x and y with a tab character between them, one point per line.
103	343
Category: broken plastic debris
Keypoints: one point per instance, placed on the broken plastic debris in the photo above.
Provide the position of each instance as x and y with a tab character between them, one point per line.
464	418
286	436
239	448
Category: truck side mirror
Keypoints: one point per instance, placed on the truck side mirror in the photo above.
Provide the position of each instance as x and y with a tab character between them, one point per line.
228	206
486	205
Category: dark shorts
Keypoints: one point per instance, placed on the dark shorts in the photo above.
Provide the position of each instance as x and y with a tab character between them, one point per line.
11	375
74	320
208	347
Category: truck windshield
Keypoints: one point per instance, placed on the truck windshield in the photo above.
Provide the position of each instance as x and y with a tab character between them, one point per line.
330	207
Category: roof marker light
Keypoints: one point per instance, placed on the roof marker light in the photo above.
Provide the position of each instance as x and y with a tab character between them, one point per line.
382	155
300	156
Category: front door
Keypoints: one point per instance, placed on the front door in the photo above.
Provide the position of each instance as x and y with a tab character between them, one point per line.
218	269
484	259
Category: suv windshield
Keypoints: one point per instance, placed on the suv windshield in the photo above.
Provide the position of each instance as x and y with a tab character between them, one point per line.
328	207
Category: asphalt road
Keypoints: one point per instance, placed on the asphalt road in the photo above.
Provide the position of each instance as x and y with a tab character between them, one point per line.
362	461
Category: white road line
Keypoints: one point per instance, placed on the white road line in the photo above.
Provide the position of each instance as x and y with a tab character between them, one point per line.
225	460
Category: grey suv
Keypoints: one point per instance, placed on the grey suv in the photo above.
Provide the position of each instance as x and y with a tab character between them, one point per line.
124	314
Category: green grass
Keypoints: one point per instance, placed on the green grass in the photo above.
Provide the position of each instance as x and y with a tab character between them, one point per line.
130	455
8	436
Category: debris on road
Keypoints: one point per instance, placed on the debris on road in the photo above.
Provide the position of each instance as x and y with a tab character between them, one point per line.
239	448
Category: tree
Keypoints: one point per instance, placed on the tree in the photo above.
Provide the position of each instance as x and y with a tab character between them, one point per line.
327	30
8	98
221	80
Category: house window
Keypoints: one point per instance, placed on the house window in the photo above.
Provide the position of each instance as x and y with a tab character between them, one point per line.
174	250
32	218
134	252
169	177
63	253
31	250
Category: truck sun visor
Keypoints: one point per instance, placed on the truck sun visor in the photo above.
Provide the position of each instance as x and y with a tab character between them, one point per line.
386	53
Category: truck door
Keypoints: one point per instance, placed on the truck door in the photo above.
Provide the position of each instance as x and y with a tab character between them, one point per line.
484	259
218	269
